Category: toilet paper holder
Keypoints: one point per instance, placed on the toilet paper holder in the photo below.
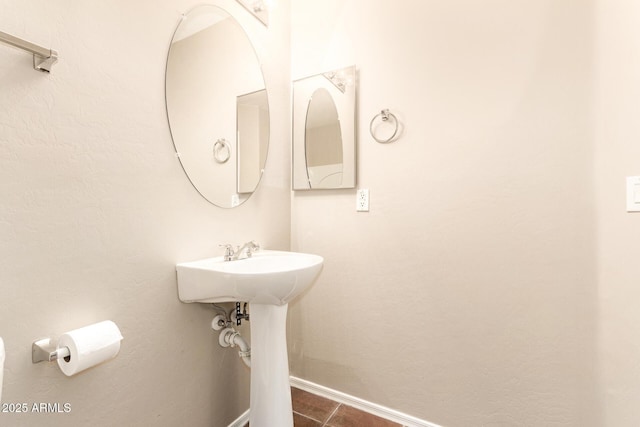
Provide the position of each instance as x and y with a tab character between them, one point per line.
43	350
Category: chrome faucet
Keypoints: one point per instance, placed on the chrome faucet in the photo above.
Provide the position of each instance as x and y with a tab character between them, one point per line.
232	255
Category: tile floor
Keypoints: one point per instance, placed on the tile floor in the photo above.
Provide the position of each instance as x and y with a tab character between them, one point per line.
310	410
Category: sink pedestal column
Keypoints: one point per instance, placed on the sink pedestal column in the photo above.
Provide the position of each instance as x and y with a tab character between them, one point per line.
270	387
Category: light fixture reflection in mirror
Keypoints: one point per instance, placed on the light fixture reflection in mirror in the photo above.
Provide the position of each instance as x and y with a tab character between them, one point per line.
258	8
215	91
324	131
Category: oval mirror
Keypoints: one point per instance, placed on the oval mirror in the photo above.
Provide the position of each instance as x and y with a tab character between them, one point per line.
217	106
323	141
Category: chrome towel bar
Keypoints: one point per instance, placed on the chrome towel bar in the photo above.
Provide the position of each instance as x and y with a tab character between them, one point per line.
43	58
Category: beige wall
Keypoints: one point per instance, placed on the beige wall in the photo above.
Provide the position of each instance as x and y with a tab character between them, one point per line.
96	211
473	293
467	295
617	156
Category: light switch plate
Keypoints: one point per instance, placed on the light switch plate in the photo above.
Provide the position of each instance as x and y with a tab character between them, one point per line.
633	194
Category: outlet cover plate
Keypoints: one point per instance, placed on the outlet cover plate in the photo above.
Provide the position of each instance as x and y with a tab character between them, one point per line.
362	200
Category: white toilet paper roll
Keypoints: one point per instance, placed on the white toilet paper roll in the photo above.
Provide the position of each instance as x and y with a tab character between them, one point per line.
89	346
1	366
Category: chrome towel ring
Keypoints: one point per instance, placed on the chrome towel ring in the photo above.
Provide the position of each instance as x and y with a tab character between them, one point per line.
221	151
385	115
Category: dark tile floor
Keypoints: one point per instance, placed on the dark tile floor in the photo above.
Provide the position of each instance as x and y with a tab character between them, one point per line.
310	410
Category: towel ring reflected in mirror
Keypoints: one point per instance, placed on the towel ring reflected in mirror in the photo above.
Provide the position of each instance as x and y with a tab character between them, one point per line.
384	115
221	151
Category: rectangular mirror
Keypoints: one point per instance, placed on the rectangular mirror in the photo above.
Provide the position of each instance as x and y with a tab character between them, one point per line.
324	131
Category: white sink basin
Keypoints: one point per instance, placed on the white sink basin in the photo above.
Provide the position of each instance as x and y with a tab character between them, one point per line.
268	277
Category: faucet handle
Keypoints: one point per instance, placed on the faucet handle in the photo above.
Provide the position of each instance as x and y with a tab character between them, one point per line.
228	251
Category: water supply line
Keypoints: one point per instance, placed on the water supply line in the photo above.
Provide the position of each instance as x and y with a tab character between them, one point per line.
221	311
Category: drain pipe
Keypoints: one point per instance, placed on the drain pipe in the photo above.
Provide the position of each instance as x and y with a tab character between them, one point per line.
229	337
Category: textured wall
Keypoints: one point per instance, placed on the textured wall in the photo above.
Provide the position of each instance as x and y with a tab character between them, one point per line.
95	211
466	295
617	154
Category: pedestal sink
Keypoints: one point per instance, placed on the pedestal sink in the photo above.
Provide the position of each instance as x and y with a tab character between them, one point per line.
267	281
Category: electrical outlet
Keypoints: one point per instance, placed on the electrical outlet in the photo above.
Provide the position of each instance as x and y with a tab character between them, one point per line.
362	200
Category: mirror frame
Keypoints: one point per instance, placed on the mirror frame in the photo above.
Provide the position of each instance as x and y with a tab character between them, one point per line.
342	85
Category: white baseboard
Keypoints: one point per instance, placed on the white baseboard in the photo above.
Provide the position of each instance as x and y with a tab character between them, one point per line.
363	405
241	421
